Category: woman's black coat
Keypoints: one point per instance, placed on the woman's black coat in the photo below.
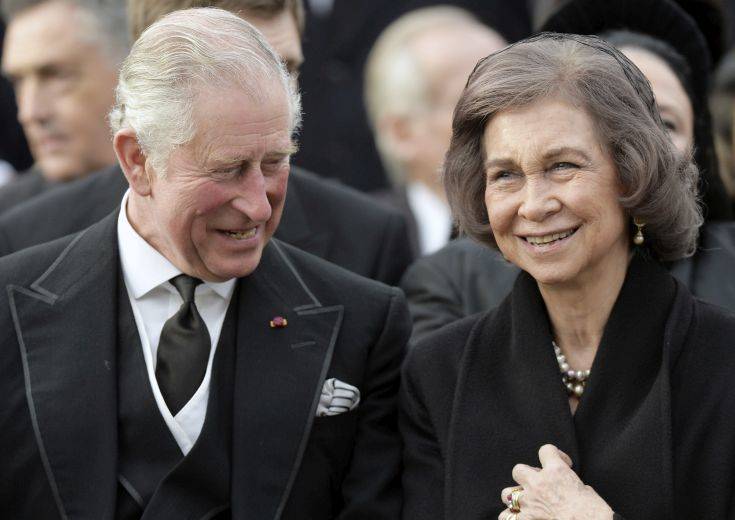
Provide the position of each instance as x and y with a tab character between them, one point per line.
654	432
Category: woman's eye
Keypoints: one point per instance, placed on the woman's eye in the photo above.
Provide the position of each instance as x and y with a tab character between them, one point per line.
502	175
563	165
670	125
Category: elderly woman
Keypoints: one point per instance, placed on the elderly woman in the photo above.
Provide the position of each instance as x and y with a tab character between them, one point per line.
599	386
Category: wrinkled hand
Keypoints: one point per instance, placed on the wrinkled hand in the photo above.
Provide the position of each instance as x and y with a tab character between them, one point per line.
554	492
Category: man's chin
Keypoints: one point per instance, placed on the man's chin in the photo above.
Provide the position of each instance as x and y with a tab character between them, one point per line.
57	169
233	268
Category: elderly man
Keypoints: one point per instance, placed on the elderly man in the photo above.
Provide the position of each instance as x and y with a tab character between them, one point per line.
173	361
62	57
322	217
414	76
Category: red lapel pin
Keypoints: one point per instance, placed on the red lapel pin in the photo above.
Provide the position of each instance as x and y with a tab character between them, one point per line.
279	322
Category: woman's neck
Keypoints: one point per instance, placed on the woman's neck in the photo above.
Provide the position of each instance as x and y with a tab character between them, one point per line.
580	309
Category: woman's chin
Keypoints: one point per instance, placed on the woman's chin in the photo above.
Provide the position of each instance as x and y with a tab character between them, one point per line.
551	275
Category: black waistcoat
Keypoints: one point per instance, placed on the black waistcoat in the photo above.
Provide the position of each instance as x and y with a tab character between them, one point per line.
155	480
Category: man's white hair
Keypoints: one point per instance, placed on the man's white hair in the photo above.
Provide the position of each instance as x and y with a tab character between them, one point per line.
395	83
182	56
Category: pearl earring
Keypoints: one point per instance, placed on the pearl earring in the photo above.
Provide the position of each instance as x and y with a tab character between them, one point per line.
638	239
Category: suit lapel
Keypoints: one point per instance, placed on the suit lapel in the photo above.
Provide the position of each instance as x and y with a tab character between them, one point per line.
279	376
65	324
294	227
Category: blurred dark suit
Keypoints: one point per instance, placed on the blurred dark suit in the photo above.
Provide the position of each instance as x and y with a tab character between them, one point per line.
398	200
322	217
23	188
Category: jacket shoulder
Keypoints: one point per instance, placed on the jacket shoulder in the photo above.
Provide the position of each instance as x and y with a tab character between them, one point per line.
331	277
21	189
334	199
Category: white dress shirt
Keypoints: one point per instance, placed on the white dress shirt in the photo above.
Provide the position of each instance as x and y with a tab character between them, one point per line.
433	217
154	300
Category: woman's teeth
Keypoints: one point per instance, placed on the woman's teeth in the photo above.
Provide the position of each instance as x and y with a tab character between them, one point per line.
241	235
547	239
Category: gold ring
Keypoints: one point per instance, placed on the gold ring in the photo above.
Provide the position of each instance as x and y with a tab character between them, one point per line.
512	516
515	501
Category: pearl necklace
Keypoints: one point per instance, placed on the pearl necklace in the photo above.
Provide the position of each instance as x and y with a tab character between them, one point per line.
575	381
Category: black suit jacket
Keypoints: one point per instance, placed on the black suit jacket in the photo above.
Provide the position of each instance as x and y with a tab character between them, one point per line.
58	403
653	432
398	199
321	217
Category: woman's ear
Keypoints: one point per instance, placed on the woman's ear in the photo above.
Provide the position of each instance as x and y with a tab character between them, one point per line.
132	161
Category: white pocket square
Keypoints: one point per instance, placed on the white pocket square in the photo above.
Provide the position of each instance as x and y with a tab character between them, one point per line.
337	397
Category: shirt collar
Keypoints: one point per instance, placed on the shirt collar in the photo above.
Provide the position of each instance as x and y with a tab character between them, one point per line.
144	268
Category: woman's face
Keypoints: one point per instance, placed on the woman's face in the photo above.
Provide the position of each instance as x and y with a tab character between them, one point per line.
671	99
552	194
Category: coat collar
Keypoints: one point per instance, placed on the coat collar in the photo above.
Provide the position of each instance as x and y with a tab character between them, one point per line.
280	373
511	400
66	327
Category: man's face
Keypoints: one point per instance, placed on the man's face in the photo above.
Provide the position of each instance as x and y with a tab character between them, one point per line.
223	193
64	86
282	34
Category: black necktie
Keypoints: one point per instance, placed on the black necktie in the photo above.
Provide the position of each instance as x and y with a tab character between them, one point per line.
183	350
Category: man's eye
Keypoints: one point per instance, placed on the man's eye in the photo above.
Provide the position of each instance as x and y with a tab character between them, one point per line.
275	164
226	172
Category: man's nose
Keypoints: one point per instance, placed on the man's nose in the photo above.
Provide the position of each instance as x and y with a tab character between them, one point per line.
539	199
252	197
33	105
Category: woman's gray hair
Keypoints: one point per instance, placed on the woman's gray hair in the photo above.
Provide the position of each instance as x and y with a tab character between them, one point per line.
659	186
182	56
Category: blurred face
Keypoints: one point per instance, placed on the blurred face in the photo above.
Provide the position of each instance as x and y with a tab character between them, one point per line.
282	33
446	59
552	194
64	86
671	98
223	193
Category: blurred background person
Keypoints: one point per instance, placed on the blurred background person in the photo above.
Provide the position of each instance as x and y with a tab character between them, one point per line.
339	35
464	278
62	57
414	76
722	103
13	146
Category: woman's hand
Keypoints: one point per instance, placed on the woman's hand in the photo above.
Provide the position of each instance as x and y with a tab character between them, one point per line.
553	492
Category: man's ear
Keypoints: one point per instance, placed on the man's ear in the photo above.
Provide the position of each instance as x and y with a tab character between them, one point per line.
132	161
398	133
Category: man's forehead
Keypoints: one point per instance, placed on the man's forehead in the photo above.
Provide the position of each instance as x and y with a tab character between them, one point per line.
40	37
281	32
